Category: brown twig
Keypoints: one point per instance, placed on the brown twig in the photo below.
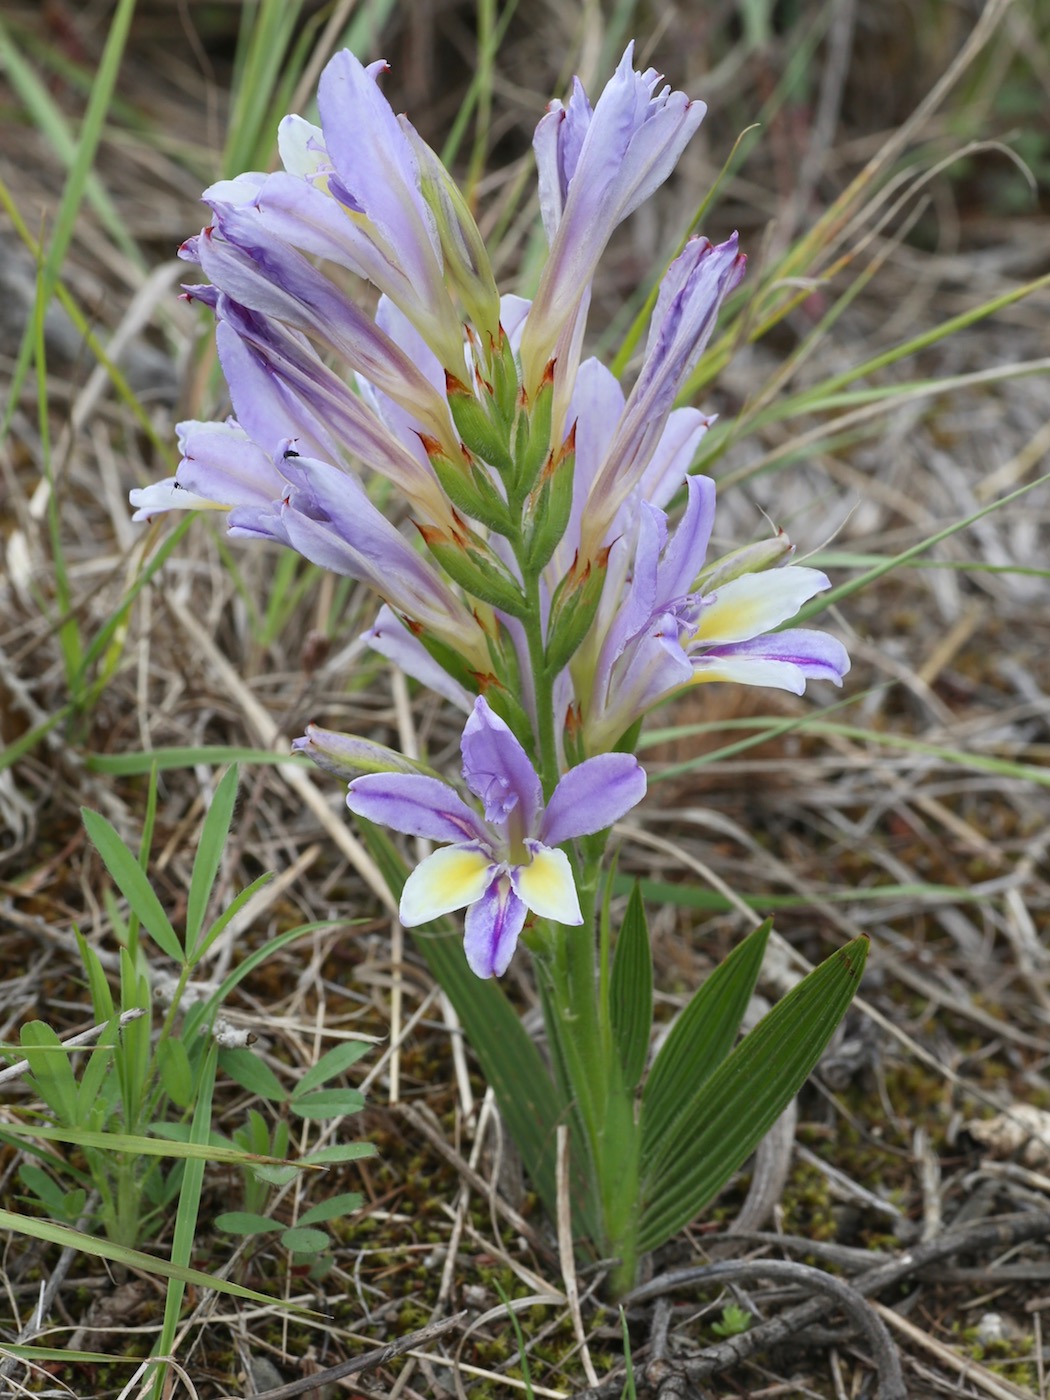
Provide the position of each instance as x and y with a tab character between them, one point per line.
847	1298
368	1362
1002	1233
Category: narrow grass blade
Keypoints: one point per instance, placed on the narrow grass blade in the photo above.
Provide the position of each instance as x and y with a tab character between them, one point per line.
80	163
125	765
206	862
136	1145
187	1212
745	1096
65	1237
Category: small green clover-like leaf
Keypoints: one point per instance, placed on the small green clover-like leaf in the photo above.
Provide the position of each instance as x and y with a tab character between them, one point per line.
245	1222
252	1074
338	1059
327	1103
344	1204
302	1239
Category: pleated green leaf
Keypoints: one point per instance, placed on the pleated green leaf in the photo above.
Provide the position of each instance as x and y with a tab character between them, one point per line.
745	1096
699	1041
631	991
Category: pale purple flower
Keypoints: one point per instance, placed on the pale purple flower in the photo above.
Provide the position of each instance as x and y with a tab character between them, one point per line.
596	166
696	284
350	193
663	631
505	862
321	512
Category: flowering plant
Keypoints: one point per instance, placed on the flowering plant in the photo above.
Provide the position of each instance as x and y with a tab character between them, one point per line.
546	590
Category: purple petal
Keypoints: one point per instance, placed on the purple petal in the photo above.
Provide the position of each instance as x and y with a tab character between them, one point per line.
376	165
592	796
683	556
810	655
417	806
220	462
498	770
602	165
354	538
281	389
682	325
596	404
492	928
673	455
392	639
267	276
267	412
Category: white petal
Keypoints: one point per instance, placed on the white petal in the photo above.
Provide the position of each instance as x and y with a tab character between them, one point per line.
546	885
448	879
747	670
163	496
301	146
746	607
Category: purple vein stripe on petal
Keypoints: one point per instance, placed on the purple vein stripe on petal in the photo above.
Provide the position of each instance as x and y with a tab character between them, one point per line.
491	929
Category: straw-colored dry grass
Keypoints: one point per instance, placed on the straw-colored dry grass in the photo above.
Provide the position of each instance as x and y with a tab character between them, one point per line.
935	845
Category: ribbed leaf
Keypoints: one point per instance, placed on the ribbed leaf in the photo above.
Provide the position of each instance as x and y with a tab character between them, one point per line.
530	1104
631	991
698	1042
745	1096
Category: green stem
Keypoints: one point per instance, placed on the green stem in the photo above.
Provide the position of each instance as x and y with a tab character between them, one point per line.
546	738
574	980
